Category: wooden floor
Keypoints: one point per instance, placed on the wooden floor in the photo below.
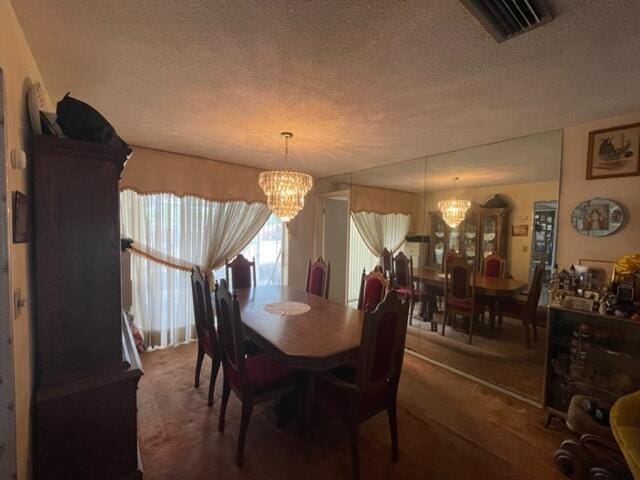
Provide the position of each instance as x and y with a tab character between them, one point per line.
498	357
449	428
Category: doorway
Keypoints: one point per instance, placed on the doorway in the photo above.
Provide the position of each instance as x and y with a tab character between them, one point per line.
335	242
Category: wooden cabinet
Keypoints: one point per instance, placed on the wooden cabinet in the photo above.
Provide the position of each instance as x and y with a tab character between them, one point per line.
589	354
483	231
86	368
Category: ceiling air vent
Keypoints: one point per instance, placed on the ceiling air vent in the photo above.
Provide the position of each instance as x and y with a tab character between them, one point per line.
505	19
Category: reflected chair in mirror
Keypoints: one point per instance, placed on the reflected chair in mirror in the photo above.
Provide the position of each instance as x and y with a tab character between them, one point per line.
243	272
460	293
524	306
255	379
373	287
318	276
386	262
205	329
355	395
493	266
403	282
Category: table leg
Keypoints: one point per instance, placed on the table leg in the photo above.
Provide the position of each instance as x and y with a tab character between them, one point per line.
308	407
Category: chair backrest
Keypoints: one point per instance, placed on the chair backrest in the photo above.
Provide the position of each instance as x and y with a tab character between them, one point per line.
242	272
460	280
536	285
318	276
493	266
203	310
230	329
403	271
382	342
373	287
386	260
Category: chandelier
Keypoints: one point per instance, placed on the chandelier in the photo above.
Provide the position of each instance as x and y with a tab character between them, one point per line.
454	211
285	190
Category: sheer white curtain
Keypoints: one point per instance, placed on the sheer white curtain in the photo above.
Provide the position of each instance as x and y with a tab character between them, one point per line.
370	233
382	230
171	234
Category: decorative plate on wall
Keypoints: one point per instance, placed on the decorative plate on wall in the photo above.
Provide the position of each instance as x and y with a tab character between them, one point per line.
597	217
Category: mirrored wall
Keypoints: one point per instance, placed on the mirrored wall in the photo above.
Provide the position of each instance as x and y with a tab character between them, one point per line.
493	208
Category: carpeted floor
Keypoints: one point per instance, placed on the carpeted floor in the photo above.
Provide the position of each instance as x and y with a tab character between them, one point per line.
498	357
449	428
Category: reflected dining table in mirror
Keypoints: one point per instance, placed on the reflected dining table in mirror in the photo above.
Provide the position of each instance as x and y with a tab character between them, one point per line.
498	287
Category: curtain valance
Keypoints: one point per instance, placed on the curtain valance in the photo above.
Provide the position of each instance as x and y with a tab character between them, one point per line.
155	171
383	201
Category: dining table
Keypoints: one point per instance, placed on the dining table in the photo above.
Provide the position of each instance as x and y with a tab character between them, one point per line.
325	336
499	287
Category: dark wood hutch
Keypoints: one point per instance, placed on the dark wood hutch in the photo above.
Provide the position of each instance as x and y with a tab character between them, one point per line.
86	365
483	231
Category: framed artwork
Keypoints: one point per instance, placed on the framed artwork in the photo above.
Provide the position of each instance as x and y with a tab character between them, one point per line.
20	218
519	230
613	152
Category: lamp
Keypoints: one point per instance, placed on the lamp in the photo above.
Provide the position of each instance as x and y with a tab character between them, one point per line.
454	211
285	190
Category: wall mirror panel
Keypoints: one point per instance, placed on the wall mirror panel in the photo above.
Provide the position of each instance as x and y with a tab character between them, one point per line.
491	209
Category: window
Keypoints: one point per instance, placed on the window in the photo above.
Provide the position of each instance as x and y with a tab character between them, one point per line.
268	249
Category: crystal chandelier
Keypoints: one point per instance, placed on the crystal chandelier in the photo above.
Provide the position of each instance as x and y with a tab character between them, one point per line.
454	211
285	190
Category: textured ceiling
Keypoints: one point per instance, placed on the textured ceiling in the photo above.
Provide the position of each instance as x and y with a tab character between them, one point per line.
530	159
359	83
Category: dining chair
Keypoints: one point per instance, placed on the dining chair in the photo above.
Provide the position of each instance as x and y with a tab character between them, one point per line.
205	329
460	293
254	379
373	287
403	282
242	272
524	306
386	261
318	276
355	395
493	266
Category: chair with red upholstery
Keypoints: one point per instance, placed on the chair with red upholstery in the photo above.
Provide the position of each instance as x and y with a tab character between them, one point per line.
524	307
205	329
493	266
255	379
373	288
460	293
242	272
318	276
355	395
403	282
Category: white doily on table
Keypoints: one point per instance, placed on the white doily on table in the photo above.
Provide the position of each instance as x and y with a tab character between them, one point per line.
287	308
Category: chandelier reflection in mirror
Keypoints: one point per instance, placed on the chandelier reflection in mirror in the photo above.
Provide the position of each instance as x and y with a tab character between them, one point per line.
454	211
285	190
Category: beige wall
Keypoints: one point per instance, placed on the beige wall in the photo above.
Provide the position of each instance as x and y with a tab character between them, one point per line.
574	189
520	198
19	69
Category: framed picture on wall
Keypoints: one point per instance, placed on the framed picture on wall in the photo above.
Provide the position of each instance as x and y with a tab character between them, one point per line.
613	152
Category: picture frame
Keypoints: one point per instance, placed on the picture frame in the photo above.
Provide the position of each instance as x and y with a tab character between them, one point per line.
578	303
614	152
591	294
519	230
20	217
556	297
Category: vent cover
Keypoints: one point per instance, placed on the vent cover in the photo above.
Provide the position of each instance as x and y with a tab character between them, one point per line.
505	19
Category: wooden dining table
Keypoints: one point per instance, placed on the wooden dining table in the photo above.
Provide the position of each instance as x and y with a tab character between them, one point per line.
325	337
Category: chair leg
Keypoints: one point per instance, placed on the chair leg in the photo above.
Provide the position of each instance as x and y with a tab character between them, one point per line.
411	305
393	427
527	333
199	359
226	391
472	320
355	452
215	366
247	409
445	315
534	324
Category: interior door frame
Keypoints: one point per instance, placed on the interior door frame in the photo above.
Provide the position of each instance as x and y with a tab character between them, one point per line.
8	452
343	195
